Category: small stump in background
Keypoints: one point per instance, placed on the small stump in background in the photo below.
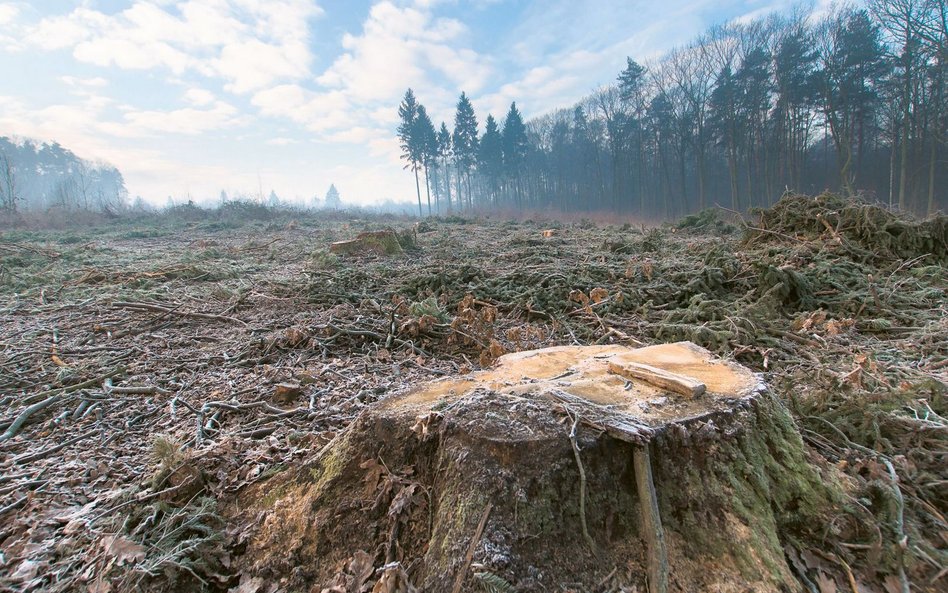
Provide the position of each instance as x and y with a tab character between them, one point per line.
370	242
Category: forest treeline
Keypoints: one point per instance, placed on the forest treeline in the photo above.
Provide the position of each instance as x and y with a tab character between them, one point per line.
853	101
40	176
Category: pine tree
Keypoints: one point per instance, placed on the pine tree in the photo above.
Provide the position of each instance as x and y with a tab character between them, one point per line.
8	187
853	66
426	139
490	157
407	138
444	152
515	148
464	141
724	126
631	80
633	92
333	200
753	87
794	65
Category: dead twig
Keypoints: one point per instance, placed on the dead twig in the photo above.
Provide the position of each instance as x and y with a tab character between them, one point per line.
47	452
135	306
574	441
21	419
70	388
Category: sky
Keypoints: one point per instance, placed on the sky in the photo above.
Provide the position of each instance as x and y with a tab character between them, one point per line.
188	98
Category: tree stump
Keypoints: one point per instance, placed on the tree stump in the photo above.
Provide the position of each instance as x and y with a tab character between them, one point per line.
370	242
569	468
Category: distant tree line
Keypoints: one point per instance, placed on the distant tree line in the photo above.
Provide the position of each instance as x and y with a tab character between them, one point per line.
854	101
39	176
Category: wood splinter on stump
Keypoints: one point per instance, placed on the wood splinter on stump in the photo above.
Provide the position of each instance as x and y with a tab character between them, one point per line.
659	378
702	488
651	521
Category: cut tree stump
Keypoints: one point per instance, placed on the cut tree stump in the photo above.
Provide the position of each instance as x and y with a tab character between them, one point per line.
377	242
475	481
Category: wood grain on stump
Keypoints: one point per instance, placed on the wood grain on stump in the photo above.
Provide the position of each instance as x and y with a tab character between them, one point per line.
400	496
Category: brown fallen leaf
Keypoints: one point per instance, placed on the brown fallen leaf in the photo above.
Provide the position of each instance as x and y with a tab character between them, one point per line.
286	393
825	583
247	584
401	500
598	295
394	579
361	568
122	549
423	424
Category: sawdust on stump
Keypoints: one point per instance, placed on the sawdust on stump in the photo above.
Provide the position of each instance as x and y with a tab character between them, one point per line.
474	483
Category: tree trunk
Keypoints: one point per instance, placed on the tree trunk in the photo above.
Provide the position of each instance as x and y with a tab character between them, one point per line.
460	199
895	142
428	188
550	469
906	122
447	182
418	191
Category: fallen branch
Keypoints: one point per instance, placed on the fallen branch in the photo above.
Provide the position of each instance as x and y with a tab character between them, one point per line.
47	452
135	306
70	388
235	407
902	543
21	419
138	390
13	505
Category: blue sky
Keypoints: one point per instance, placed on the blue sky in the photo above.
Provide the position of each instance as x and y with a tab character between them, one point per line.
195	96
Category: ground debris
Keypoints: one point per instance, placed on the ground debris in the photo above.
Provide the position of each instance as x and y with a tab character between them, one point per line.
847	320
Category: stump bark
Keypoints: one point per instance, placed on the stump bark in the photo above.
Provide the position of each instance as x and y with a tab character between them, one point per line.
556	468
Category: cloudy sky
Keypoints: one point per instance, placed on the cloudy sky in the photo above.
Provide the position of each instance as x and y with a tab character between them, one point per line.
191	97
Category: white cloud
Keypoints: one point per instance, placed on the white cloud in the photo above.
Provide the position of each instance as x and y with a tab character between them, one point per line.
188	121
8	13
541	89
60	32
359	135
403	47
74	81
319	112
248	43
280	141
354	100
254	64
199	97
